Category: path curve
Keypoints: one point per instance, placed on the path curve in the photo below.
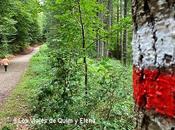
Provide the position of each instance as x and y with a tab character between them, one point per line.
17	67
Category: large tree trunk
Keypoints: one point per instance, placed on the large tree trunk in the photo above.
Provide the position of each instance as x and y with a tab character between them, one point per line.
154	64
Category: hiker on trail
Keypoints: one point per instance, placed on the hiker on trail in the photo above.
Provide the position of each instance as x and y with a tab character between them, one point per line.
5	63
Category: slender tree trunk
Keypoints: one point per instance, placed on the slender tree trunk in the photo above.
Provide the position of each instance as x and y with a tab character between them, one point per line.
154	64
97	37
100	42
109	24
97	44
118	34
110	9
106	27
125	34
84	49
121	31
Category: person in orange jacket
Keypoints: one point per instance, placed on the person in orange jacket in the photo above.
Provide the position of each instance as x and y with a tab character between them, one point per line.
5	62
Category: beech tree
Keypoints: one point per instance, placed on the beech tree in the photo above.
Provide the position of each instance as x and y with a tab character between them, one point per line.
154	64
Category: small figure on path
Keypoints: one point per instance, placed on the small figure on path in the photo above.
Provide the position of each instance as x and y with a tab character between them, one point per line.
5	62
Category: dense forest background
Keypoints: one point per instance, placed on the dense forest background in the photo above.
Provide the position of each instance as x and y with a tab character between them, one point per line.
84	67
108	26
19	26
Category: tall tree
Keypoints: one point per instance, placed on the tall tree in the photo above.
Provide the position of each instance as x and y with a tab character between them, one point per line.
154	60
102	43
110	12
118	34
124	52
121	31
99	43
84	50
105	16
109	21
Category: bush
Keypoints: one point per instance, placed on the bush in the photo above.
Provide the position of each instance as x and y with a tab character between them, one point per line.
109	99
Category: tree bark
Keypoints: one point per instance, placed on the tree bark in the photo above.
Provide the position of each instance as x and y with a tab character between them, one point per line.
101	44
125	34
97	44
109	23
154	64
118	49
110	14
121	31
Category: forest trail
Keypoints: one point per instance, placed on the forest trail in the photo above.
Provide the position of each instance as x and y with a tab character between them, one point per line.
16	68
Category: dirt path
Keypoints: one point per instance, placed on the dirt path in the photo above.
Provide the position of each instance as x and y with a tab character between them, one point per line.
17	67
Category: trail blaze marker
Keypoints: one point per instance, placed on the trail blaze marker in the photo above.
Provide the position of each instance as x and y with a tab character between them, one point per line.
154	90
153	47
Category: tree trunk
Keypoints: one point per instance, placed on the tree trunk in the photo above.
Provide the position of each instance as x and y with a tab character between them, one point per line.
97	38
110	14
109	23
118	50
97	45
125	34
121	31
101	44
154	64
84	49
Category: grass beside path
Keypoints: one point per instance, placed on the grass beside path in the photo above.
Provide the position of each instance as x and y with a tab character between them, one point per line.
18	104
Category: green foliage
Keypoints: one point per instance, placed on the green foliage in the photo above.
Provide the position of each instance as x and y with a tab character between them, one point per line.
18	25
7	26
109	96
5	128
108	99
61	81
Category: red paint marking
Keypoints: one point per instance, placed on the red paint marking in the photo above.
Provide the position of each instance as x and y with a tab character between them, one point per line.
154	93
